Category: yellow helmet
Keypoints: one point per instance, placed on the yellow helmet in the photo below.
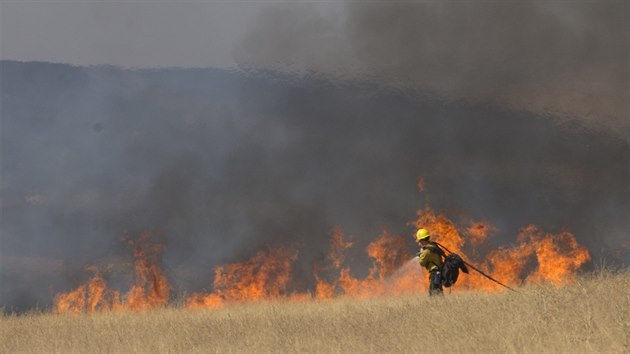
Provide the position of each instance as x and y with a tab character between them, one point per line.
422	234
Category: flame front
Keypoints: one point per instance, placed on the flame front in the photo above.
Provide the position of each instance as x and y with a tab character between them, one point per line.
335	258
150	290
536	257
263	277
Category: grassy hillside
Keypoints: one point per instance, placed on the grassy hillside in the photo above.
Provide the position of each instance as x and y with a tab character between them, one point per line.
592	315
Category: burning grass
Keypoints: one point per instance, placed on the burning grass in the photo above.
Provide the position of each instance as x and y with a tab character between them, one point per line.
254	306
590	315
537	257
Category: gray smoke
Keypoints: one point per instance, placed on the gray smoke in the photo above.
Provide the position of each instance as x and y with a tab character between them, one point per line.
333	126
566	59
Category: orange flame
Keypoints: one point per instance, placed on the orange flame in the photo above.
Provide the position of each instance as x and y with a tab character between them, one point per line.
558	256
263	277
151	288
478	232
336	256
338	246
388	254
71	301
536	257
441	229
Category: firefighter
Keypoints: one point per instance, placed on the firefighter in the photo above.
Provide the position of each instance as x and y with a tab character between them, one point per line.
430	257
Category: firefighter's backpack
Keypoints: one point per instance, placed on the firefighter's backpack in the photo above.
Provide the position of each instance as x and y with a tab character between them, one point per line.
450	271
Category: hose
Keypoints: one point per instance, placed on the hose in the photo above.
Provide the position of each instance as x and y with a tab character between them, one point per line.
476	269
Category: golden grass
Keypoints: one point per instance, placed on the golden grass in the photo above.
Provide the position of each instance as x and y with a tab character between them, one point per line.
592	315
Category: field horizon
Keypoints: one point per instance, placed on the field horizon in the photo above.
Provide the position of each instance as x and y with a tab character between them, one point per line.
590	315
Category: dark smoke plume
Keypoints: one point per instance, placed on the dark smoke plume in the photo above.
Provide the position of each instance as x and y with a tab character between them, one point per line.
220	165
566	59
340	118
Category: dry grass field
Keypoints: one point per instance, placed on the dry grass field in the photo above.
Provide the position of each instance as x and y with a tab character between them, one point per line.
592	315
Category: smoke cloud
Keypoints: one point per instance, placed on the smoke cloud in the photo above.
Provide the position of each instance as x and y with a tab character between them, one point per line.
514	113
564	59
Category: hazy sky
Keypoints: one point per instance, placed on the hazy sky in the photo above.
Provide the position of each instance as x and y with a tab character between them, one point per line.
125	33
560	58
